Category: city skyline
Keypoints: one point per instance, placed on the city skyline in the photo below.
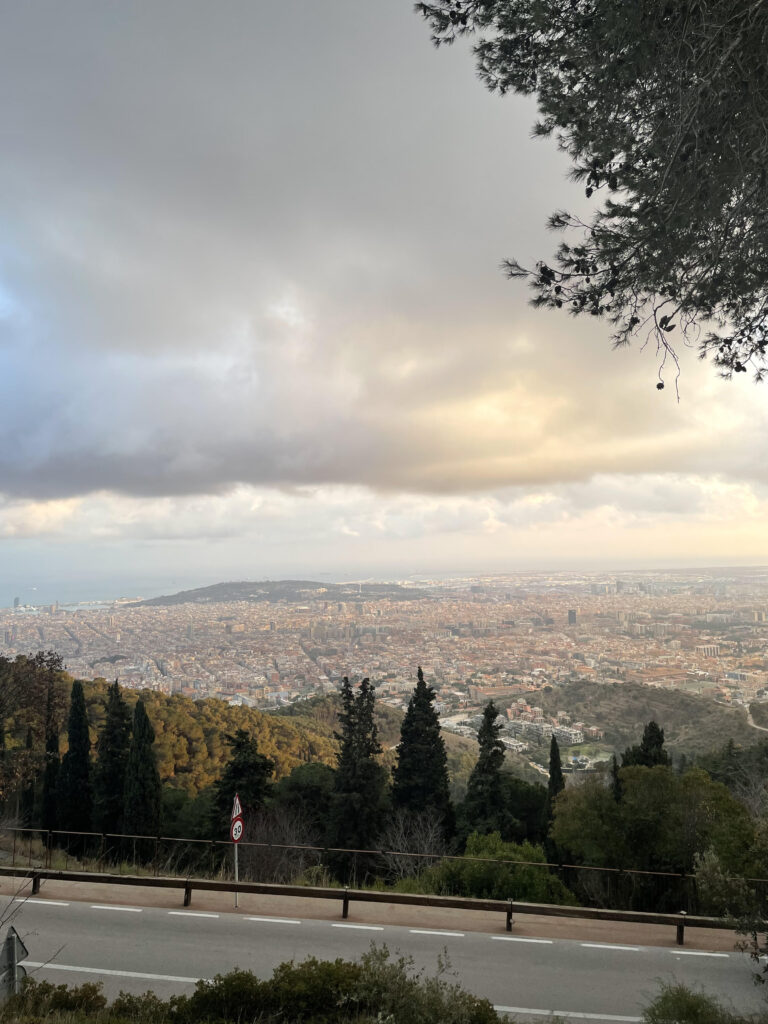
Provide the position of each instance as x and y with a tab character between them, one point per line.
252	322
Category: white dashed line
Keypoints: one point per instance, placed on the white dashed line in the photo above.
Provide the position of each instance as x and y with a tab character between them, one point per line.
605	945
516	938
566	1013
274	920
126	910
44	903
361	927
190	913
104	970
431	931
695	952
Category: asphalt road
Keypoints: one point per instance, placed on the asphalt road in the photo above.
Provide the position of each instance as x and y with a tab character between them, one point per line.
140	948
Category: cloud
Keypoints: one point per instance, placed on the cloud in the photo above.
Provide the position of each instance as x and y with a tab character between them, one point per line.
249	288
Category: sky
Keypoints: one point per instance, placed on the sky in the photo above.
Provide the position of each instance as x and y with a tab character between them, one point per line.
253	325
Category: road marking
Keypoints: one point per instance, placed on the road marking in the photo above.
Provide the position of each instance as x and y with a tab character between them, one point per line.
695	952
190	913
432	931
126	910
103	970
45	903
605	945
275	920
517	938
566	1013
362	927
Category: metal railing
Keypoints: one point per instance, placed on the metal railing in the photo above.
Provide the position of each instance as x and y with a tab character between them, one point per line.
347	896
282	863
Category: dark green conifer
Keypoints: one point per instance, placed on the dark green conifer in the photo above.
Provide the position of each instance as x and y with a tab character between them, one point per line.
485	808
49	807
420	777
615	779
556	781
75	801
360	797
247	773
141	810
110	768
651	750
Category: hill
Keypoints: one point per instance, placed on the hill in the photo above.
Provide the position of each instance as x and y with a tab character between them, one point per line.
290	591
191	743
692	725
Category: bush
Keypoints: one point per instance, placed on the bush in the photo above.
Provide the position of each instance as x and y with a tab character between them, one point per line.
680	1005
41	999
377	990
395	993
323	991
493	879
237	996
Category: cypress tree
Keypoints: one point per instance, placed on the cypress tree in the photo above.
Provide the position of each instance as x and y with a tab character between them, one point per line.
247	774
141	807
110	769
74	786
420	777
651	750
49	809
616	787
485	808
49	668
556	781
28	792
360	797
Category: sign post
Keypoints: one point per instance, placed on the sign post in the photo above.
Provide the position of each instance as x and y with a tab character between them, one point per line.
236	834
11	952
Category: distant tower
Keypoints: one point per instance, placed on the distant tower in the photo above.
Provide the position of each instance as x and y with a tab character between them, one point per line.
571	616
16	602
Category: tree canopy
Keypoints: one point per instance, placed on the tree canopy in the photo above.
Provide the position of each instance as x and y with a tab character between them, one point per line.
663	109
420	777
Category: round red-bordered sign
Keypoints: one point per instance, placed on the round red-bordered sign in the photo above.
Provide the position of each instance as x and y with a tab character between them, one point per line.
236	829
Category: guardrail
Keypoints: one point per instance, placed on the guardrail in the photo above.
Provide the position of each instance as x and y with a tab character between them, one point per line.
346	896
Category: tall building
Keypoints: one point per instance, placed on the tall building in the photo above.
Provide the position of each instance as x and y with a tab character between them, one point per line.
571	616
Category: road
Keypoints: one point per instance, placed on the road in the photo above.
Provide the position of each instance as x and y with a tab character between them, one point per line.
139	948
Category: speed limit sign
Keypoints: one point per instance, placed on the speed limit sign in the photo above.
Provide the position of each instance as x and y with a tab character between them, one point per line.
236	829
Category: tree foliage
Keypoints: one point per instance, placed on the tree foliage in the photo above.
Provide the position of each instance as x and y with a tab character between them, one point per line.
142	800
663	109
650	751
111	766
420	777
485	808
662	822
247	774
75	796
360	798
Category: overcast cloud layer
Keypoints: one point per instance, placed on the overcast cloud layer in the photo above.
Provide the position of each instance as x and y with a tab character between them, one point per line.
250	299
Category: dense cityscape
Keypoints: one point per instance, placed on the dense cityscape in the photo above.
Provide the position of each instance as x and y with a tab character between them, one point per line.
703	632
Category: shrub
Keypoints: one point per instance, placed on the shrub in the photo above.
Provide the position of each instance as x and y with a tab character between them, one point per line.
323	991
680	1005
493	879
41	998
236	997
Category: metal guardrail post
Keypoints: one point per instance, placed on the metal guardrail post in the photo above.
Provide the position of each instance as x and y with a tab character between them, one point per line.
187	893
35	883
681	929
345	905
509	915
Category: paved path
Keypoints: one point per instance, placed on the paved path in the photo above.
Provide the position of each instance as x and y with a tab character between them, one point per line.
135	938
525	925
135	947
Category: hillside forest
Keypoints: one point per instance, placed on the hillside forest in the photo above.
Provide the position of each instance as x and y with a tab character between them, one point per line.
344	774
